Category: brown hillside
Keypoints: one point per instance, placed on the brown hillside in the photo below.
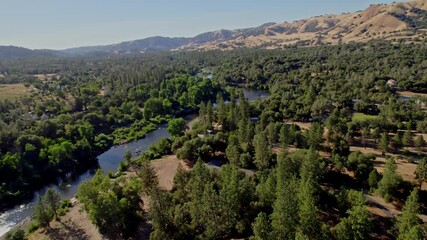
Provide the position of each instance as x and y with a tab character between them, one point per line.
391	22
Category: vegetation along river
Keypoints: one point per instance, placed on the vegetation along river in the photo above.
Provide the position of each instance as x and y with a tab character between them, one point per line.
108	162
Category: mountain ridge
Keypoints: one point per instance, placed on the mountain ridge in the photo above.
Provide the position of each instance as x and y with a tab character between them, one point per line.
399	21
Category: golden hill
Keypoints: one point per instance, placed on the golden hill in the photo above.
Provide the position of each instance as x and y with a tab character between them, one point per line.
402	20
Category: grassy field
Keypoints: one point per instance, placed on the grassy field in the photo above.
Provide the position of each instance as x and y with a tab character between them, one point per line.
359	117
13	91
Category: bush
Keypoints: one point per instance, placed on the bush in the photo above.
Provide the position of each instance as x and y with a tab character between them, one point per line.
18	234
34	225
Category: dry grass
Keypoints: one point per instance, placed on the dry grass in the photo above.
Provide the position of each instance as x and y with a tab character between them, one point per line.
166	169
13	91
74	225
411	94
47	77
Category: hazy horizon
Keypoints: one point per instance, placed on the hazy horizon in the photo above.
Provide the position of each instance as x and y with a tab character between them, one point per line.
59	25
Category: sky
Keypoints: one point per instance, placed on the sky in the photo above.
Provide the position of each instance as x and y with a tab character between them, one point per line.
60	24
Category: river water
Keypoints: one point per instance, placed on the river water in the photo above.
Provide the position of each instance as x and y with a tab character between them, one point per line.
108	162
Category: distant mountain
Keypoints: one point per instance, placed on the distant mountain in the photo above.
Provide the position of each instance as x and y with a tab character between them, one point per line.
143	45
11	52
404	21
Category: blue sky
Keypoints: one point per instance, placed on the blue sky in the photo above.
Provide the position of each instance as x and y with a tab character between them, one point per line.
58	24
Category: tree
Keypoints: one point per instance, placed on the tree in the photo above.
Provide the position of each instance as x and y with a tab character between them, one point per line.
261	227
315	136
160	205
415	233
383	144
409	217
360	164
284	219
407	138
232	153
148	175
309	224
41	213
397	141
365	132
374	178
53	200
128	157
421	171
262	151
419	142
176	126
356	226
112	206
390	180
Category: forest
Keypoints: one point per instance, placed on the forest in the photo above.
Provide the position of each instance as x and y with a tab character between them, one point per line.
293	166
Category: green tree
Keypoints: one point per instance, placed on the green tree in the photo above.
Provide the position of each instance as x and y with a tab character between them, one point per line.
409	217
112	206
415	233
421	171
356	226
365	132
148	176
159	214
233	155
383	144
284	219
53	200
361	164
397	141
176	126
262	151
261	227
390	180
128	157
315	135
309	224
419	142
41	213
374	178
407	138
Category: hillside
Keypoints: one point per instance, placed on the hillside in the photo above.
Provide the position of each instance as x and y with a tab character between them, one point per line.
401	21
11	52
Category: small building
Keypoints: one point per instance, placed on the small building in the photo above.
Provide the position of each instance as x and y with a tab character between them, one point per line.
392	83
44	117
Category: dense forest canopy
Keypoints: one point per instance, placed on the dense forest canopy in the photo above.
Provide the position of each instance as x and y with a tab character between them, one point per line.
298	182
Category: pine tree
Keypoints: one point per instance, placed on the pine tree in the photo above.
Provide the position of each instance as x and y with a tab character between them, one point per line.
284	219
309	224
421	171
261	227
148	175
365	132
374	178
221	110
407	138
419	142
233	155
262	151
383	144
397	141
315	136
409	217
356	226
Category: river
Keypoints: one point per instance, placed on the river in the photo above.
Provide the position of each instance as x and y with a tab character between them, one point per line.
108	162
